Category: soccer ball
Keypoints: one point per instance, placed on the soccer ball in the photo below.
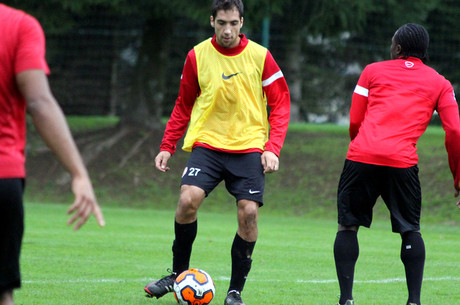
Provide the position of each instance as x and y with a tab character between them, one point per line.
194	287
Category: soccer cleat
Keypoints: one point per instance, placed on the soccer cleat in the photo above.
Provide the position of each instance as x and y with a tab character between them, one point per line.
348	302
233	298
161	287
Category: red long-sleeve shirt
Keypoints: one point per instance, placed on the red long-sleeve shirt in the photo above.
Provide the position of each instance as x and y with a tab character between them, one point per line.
392	106
274	87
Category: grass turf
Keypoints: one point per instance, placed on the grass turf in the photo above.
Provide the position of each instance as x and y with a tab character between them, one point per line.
293	262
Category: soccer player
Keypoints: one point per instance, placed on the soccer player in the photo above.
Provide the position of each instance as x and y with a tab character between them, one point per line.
227	83
24	86
391	107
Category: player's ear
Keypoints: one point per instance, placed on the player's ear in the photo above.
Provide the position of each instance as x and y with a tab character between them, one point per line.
241	23
211	19
398	49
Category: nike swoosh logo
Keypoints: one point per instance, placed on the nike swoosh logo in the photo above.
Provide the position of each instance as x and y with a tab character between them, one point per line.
229	76
253	192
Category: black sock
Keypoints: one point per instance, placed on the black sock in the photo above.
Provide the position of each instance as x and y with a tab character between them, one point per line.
413	258
182	246
241	262
346	252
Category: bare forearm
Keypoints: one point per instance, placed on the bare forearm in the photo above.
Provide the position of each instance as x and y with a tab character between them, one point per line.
51	124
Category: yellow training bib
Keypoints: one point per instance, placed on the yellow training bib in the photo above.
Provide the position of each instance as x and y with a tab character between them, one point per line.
231	111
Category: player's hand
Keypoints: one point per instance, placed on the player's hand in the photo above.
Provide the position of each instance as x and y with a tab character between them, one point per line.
270	162
161	160
85	203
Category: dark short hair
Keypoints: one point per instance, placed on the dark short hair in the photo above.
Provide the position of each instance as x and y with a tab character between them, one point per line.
414	41
227	5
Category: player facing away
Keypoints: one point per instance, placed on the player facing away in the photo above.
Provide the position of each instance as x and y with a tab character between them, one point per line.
227	83
24	86
391	107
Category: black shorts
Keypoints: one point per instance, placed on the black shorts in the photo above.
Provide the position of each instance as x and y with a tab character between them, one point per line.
361	184
11	231
242	173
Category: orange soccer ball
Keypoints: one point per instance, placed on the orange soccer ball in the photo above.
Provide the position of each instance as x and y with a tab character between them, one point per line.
194	287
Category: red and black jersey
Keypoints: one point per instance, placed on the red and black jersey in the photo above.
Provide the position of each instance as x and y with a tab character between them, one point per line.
392	105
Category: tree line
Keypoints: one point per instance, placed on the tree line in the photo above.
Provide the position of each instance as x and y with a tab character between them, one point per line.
321	45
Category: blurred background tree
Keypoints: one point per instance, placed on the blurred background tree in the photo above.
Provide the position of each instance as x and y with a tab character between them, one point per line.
125	58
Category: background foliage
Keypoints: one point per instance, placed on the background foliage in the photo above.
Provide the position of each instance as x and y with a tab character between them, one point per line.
125	57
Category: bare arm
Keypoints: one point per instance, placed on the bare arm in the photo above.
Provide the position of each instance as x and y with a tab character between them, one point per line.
50	123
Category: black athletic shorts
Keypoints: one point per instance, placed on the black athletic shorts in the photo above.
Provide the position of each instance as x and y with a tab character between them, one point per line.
361	184
242	173
11	231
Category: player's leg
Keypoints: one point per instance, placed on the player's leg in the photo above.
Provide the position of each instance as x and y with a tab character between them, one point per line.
185	230
6	298
200	177
356	196
242	248
403	198
11	233
245	180
413	258
346	252
244	243
185	226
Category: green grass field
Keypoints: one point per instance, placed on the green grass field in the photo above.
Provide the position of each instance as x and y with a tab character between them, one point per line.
293	262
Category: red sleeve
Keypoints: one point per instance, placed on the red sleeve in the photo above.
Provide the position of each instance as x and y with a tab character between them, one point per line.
358	105
180	117
448	112
357	112
279	101
31	46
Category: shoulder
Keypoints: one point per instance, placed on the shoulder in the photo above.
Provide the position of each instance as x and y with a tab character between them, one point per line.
205	43
10	12
257	51
17	17
435	77
19	28
257	46
380	64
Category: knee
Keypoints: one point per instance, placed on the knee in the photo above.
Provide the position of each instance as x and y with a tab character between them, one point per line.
348	228
187	204
248	213
412	247
189	201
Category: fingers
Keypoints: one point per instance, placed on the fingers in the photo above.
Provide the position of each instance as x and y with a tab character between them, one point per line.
456	195
270	162
82	209
99	216
264	161
270	168
161	161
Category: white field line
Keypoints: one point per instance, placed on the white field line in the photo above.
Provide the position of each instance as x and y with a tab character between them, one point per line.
223	278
